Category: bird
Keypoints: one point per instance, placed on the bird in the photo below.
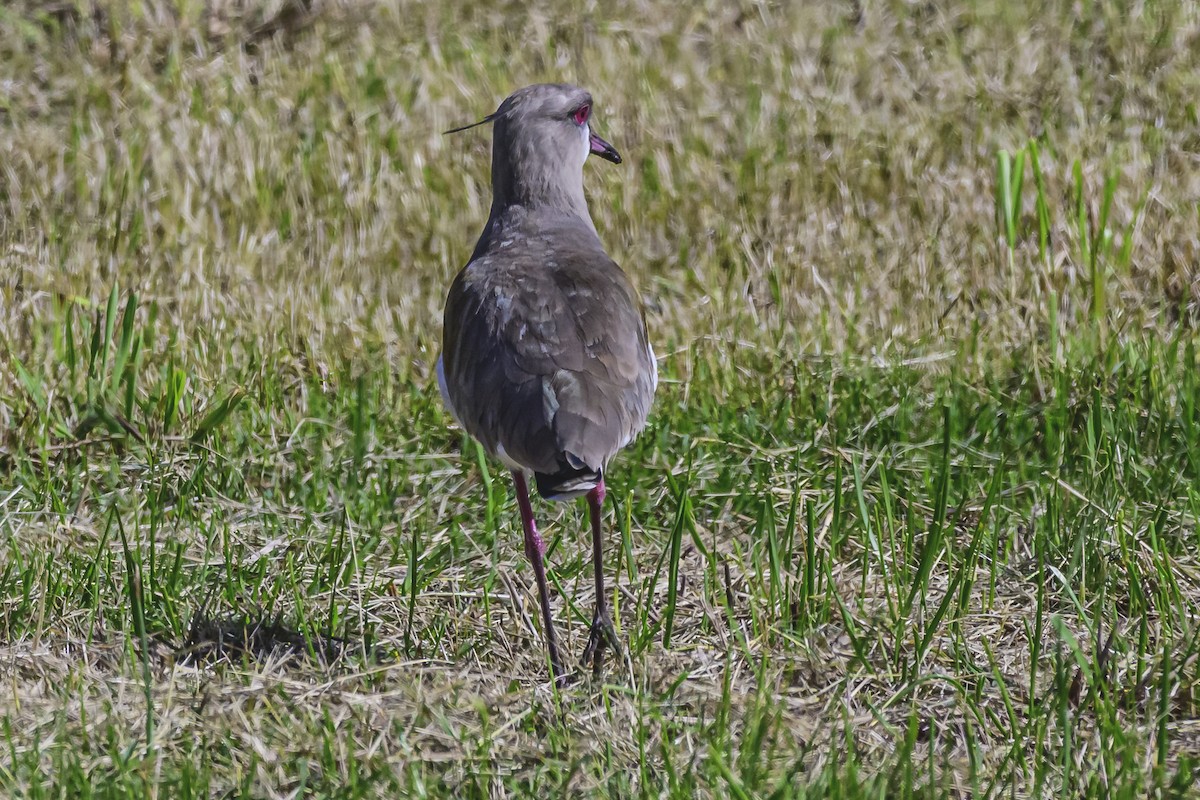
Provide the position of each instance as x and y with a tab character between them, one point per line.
545	359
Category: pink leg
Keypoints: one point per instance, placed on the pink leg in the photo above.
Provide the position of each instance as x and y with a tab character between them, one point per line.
602	632
535	549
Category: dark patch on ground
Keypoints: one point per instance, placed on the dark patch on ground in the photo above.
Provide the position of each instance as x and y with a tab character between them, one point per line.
237	638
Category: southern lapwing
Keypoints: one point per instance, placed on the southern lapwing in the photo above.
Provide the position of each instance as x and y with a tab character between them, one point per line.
545	359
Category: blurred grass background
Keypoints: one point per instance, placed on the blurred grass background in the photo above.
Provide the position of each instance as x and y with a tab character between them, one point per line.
916	513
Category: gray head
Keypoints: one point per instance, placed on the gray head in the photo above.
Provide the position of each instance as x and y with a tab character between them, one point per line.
542	137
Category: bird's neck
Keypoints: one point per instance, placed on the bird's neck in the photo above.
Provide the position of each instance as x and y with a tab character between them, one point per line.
519	224
539	190
526	202
536	175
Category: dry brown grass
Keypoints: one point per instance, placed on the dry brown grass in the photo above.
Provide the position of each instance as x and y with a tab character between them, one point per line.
808	194
849	163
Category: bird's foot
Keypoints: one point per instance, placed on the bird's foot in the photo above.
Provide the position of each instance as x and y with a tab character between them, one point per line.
602	635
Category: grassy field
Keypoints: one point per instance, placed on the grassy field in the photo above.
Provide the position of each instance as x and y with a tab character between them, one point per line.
916	512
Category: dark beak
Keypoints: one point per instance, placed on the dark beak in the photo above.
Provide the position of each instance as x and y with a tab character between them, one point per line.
604	149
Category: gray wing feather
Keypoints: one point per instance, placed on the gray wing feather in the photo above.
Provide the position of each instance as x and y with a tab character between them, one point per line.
550	365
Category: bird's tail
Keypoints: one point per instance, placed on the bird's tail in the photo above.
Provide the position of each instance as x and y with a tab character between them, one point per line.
568	482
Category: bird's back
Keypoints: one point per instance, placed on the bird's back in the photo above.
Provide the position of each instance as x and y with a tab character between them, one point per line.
545	355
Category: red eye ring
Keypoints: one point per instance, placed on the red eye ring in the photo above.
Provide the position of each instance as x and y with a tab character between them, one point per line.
582	113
